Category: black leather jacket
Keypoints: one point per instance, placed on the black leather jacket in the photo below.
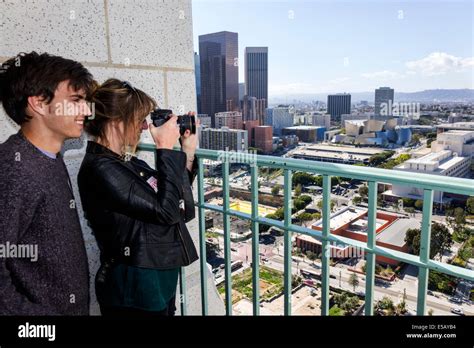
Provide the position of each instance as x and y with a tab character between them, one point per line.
132	223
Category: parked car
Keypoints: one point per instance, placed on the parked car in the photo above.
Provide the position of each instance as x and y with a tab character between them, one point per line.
455	299
457	311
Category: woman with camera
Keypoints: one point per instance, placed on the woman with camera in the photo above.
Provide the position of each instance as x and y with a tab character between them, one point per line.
137	213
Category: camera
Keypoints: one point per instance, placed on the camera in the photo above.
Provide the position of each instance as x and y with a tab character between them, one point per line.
160	116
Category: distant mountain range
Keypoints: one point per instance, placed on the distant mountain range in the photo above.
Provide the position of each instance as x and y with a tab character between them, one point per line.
427	96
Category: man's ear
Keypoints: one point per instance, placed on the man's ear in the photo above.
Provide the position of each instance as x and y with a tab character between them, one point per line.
37	105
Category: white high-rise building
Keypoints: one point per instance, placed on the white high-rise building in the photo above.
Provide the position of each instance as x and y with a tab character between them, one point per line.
279	118
319	120
224	139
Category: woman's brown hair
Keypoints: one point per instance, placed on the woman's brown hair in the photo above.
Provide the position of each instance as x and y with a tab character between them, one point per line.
117	100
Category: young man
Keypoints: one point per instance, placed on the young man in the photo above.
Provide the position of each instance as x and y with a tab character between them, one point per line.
43	261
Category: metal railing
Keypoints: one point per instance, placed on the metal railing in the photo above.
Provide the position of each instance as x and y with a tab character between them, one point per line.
428	183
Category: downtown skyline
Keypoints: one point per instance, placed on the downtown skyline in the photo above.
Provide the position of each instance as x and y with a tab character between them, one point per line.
368	45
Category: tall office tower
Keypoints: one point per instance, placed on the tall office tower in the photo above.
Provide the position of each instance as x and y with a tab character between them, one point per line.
197	75
241	92
249	108
261	107
219	73
339	104
279	118
256	72
231	119
384	97
223	139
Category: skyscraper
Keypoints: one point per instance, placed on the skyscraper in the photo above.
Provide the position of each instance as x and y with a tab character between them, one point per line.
249	108
339	104
197	74
241	91
219	73
383	101
256	72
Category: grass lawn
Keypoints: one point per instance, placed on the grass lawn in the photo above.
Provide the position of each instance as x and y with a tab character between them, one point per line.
271	284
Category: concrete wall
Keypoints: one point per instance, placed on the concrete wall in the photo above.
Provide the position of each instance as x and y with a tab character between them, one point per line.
146	42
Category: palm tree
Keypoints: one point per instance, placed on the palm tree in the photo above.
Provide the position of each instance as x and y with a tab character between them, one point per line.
354	280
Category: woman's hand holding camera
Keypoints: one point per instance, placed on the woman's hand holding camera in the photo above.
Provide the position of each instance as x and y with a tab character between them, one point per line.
167	135
189	143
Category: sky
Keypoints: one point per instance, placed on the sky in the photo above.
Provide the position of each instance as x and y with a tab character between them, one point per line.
329	46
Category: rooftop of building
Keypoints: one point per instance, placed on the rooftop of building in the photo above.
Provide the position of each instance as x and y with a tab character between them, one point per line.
347	149
396	225
457	125
442	159
304	127
342	217
394	234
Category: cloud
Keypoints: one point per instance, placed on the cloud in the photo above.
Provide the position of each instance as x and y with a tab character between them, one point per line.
439	63
382	75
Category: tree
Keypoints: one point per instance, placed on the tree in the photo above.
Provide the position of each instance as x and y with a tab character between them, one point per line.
419	204
470	205
456	219
298	190
415	139
356	200
364	191
303	179
305	198
276	190
353	280
441	239
408	202
412	238
298	204
305	217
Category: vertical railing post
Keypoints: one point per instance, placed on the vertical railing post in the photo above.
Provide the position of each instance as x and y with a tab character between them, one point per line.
255	240
423	271
287	242
325	249
370	257
226	221
202	237
182	291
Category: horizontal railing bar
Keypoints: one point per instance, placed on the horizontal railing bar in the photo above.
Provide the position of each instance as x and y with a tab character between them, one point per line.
420	180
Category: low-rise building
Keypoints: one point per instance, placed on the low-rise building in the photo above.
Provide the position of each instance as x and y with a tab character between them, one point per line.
352	222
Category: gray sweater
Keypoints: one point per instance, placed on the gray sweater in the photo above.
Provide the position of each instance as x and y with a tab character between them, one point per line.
37	210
